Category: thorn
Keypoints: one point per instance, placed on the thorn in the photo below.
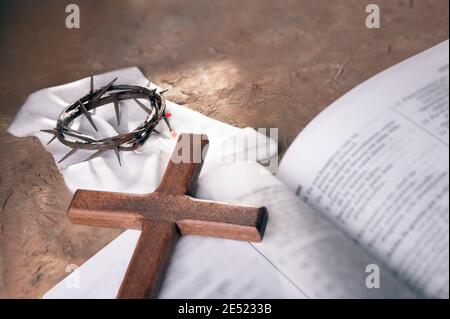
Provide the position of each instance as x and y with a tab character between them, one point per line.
92	91
92	84
116	150
67	155
142	106
167	123
103	90
163	91
87	114
96	154
53	132
116	108
156	131
51	140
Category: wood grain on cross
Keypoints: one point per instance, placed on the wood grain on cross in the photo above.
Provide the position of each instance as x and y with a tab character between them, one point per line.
165	215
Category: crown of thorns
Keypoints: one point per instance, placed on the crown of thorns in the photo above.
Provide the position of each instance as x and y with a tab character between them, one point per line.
106	95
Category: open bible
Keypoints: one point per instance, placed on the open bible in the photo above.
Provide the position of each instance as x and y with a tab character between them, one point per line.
362	192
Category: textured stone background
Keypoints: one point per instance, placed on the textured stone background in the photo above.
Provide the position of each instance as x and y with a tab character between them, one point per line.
260	63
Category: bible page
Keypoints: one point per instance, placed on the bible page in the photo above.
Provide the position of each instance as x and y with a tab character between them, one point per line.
376	163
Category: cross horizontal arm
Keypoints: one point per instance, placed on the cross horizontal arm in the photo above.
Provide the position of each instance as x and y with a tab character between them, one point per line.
192	216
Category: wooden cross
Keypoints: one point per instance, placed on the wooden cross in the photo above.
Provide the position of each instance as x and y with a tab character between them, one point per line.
165	215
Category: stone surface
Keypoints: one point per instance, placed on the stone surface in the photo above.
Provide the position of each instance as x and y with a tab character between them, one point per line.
249	63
